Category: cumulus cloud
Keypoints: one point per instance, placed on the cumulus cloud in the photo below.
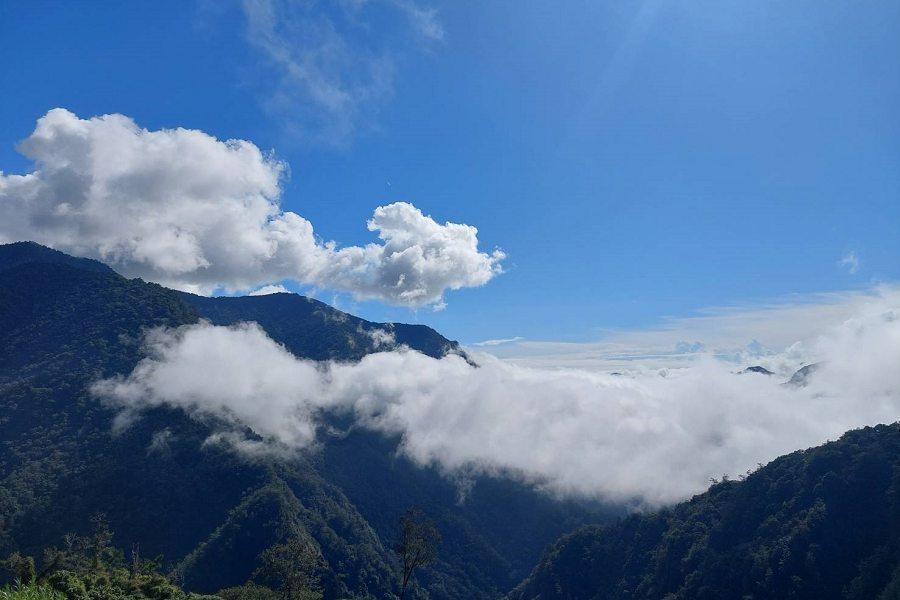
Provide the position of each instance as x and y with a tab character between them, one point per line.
332	69
651	437
179	207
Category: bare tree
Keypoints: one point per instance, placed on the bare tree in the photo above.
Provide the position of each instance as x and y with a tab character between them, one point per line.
419	539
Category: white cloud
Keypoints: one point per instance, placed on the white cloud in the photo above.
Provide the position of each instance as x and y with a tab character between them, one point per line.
499	342
274	396
424	19
650	437
161	441
269	289
179	207
743	335
850	262
383	338
333	70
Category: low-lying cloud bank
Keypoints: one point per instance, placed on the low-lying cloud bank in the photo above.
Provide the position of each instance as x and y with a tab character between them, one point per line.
652	438
777	334
179	207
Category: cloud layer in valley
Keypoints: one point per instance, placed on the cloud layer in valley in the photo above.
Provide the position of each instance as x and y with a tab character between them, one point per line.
651	438
772	334
179	207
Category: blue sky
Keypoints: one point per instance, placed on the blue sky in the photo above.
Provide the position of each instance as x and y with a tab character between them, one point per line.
635	160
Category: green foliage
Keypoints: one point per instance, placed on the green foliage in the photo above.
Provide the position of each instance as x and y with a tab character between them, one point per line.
91	570
30	591
21	567
417	546
291	567
114	584
249	591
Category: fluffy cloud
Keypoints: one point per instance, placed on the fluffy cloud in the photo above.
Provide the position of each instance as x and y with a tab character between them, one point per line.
277	399
180	207
652	438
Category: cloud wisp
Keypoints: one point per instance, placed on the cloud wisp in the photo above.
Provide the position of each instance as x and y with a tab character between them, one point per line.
332	70
179	207
499	342
649	438
850	262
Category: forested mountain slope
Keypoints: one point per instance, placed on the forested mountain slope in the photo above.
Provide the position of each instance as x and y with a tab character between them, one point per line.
822	523
66	322
315	330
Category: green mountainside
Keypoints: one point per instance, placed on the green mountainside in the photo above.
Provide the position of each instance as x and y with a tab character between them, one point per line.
315	330
817	524
66	322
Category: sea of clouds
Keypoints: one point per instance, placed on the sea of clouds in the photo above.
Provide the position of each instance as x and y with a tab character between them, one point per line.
646	437
182	208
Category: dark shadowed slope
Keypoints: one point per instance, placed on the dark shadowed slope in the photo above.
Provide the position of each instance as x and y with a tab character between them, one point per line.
315	330
818	524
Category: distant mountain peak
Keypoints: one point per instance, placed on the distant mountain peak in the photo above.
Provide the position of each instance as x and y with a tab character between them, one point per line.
801	377
757	369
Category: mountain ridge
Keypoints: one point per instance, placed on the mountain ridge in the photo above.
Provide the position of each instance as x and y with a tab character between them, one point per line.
307	315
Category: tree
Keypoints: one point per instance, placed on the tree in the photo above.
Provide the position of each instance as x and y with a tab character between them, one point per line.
419	539
291	567
248	591
101	539
22	568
